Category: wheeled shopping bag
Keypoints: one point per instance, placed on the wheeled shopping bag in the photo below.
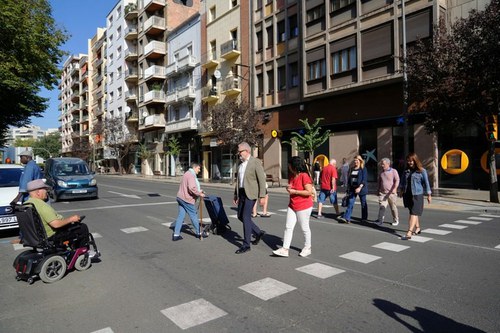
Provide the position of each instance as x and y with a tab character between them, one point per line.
215	209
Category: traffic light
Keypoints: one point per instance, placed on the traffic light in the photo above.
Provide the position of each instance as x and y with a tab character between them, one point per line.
492	128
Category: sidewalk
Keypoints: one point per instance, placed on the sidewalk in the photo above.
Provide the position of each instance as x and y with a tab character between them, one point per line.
443	198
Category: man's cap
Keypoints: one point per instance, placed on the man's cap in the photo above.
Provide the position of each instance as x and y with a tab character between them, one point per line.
26	153
37	184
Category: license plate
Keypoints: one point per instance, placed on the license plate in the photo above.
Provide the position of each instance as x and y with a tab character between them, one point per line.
79	191
8	219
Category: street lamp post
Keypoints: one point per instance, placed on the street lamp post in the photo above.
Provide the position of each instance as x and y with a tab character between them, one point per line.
406	139
45	150
406	136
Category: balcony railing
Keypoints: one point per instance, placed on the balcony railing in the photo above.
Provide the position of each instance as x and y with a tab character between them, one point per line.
229	49
181	94
231	86
155	49
181	125
209	60
154	25
186	63
209	94
154	96
155	72
157	120
131	75
131	32
153	5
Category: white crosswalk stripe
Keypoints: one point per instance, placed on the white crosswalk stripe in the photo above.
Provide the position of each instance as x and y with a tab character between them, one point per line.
436	231
320	270
479	218
133	230
361	257
391	246
467	222
490	215
182	315
104	330
420	239
453	226
267	288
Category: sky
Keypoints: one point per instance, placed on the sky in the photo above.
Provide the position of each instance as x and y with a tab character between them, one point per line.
80	19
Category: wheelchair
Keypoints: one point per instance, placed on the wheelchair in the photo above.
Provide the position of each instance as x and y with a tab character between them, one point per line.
50	258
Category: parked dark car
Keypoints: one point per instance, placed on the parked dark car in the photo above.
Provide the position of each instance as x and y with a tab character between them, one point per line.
70	178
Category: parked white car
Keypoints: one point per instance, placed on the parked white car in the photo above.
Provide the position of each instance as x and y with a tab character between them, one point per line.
9	187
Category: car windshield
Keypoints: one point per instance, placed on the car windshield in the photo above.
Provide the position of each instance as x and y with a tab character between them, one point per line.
10	177
74	169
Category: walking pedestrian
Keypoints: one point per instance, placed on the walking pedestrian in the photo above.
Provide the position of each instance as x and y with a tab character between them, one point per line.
328	187
344	172
264	213
189	192
299	208
388	183
250	186
357	184
31	172
413	185
317	172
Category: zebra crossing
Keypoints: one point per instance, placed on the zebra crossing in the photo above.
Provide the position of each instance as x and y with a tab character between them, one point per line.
268	288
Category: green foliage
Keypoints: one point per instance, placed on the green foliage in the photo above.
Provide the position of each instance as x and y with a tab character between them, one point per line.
454	79
48	146
311	138
144	152
174	146
24	142
29	56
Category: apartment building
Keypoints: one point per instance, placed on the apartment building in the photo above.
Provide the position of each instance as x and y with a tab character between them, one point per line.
226	67
25	132
69	107
155	20
183	97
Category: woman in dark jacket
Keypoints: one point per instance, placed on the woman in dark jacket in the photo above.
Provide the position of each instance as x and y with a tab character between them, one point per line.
357	185
414	184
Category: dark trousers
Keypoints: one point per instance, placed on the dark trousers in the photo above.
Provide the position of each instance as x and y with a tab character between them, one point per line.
245	208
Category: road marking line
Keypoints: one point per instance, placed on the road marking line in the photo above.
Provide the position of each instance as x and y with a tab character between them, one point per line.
453	226
489	215
104	330
361	257
391	247
129	189
480	218
96	235
321	271
467	222
267	288
182	315
126	195
118	206
420	239
497	247
133	229
436	231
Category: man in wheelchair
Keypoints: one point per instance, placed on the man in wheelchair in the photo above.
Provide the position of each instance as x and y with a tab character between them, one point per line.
58	243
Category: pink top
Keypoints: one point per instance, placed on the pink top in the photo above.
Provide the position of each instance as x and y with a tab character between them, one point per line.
188	189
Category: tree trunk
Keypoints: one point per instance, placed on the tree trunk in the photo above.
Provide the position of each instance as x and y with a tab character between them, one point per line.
493	174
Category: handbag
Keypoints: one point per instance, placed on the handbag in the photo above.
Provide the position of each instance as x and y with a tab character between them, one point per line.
345	200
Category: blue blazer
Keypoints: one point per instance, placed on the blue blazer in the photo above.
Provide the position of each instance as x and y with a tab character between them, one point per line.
362	179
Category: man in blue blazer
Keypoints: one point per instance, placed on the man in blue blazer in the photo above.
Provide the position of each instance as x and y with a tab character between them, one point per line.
250	186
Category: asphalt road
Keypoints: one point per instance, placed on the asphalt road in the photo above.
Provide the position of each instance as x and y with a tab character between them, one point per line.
359	278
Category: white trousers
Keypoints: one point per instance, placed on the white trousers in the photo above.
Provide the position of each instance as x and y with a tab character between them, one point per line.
302	216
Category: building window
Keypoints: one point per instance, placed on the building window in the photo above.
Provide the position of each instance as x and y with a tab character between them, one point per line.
281	36
338	4
316	70
258	5
213	50
294	74
212	13
234	3
119	73
260	84
118	32
344	60
293	26
281	78
377	45
270	82
315	13
259	41
270	39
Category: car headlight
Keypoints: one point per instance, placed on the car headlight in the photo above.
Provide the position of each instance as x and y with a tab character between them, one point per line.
62	183
93	182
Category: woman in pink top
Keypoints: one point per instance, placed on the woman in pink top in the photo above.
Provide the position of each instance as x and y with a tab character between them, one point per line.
300	206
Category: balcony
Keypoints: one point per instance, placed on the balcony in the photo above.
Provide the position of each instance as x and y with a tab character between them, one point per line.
131	32
131	96
154	25
209	60
74	108
181	94
231	86
154	50
155	120
133	117
229	49
155	72
75	96
209	94
154	5
154	96
131	11
84	75
181	125
98	111
131	75
181	65
130	54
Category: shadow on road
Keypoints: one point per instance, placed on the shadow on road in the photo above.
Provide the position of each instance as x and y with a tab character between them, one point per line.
428	320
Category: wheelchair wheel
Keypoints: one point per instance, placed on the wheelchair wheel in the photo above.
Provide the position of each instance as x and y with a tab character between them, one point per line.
53	269
82	262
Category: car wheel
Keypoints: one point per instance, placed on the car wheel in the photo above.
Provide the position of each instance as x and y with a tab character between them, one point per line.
82	262
53	269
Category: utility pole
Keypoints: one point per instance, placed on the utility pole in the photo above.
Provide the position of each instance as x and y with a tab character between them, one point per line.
406	134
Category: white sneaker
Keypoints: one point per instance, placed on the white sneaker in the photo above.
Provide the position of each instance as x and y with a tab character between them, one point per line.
281	252
395	223
305	252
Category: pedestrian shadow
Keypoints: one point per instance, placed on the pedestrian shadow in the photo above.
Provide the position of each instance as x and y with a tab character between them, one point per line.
369	224
428	320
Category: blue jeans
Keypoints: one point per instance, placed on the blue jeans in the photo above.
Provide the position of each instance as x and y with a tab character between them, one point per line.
350	206
190	209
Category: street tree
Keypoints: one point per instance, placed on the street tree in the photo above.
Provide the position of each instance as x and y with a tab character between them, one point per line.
310	138
19	142
48	146
454	78
174	150
117	138
30	52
